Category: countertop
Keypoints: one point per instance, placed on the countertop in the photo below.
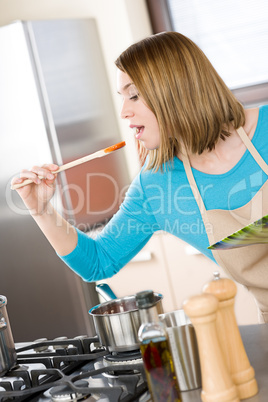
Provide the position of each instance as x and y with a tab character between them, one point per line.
255	339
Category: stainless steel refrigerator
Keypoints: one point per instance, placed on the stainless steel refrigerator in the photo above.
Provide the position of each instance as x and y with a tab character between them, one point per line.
55	105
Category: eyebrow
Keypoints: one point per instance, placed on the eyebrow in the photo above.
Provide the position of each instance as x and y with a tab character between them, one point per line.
126	87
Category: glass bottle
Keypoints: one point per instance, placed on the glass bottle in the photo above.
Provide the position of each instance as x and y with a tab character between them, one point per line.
155	350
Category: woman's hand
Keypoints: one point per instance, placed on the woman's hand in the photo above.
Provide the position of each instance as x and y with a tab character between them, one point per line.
37	195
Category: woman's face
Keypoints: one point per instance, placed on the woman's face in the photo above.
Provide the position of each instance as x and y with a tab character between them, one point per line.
141	119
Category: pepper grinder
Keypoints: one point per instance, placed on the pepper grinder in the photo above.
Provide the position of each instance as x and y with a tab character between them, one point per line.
242	373
217	384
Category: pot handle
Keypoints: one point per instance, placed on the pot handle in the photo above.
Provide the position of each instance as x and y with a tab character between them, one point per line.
105	291
3	324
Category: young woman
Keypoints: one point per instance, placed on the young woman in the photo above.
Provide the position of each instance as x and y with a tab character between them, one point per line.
205	174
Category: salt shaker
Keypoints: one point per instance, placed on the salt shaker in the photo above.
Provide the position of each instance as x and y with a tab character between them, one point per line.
242	372
217	384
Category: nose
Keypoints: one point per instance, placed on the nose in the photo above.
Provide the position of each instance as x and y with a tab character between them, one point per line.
126	110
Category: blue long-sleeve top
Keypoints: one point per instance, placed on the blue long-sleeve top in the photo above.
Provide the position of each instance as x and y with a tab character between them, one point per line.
163	200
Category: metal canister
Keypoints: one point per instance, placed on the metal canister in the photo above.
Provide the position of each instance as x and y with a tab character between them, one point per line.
8	357
184	349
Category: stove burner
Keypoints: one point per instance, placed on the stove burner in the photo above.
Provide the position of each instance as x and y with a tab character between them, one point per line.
64	393
123	357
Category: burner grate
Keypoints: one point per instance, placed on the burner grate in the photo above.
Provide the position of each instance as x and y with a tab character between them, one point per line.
115	393
72	364
60	346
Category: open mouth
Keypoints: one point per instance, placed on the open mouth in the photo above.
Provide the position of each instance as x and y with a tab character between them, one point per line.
139	131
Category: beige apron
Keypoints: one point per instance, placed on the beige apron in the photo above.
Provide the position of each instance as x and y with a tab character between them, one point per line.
247	265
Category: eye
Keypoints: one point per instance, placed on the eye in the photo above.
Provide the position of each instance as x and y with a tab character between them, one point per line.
134	97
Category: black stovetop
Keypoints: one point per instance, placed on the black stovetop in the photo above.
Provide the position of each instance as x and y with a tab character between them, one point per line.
76	369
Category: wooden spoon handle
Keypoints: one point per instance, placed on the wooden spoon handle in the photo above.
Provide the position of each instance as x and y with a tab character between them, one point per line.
76	162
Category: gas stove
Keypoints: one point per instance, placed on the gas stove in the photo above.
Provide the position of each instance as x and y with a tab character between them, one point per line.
77	369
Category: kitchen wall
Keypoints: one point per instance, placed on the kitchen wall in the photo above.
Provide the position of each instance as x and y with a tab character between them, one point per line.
120	23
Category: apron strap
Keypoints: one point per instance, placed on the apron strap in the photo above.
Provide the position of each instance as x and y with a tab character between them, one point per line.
244	137
193	185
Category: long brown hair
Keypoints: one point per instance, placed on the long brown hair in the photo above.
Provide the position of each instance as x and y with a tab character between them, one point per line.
178	83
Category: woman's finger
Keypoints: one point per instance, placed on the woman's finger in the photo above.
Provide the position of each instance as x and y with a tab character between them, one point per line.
16	180
28	174
43	172
51	166
37	173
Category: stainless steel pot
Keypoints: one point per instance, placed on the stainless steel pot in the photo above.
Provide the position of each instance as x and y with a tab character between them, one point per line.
117	321
8	355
